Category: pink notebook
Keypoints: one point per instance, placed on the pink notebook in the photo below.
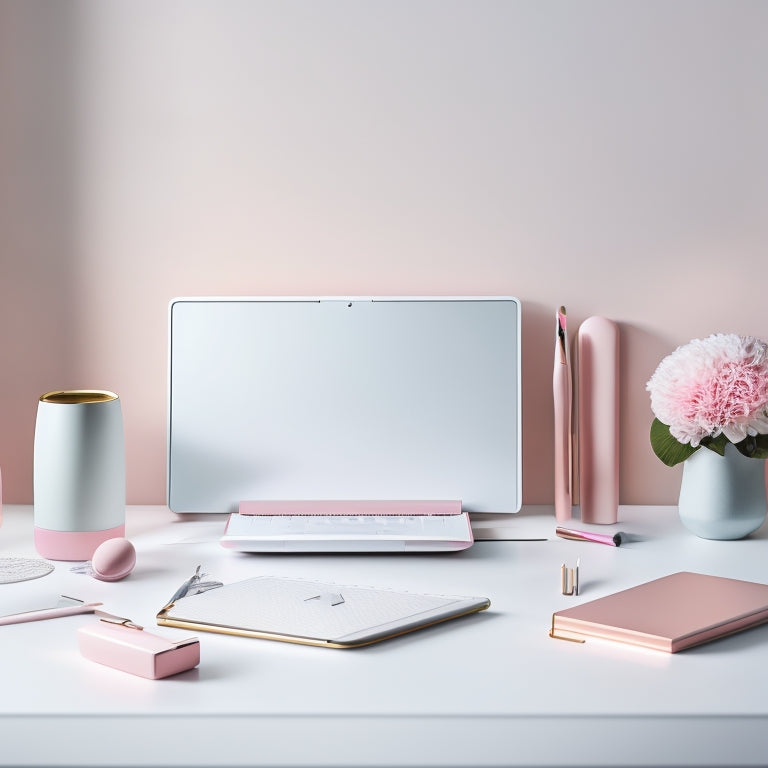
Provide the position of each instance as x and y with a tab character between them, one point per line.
668	614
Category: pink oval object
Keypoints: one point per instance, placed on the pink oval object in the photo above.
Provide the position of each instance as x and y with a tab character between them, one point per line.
113	560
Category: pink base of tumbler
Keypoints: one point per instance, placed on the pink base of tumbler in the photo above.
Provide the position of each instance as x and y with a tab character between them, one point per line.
73	545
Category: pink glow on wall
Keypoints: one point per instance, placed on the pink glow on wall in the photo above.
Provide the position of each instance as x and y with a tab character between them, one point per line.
152	150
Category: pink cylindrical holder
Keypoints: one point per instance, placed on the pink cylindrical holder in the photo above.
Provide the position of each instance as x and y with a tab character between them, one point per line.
79	473
598	420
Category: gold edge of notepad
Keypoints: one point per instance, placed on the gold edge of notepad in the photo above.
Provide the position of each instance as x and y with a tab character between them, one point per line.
164	620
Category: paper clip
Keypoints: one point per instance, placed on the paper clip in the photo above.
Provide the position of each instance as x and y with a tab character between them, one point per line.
569	579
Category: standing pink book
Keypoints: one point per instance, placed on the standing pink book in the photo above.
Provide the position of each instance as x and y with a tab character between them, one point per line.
668	614
598	417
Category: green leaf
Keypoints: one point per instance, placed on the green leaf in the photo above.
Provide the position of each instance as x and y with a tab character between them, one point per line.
716	444
670	450
754	447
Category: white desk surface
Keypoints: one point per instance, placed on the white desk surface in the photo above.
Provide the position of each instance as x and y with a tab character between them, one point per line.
491	689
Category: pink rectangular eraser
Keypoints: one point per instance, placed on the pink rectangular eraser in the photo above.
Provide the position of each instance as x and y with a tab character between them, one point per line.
350	507
133	650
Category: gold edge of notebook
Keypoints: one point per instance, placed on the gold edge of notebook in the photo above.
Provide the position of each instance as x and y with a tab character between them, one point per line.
559	635
164	620
578	630
223	630
406	631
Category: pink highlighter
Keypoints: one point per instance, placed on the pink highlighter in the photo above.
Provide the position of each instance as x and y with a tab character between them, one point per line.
611	539
562	390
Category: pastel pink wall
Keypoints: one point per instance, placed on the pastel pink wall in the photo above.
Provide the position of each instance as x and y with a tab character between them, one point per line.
608	156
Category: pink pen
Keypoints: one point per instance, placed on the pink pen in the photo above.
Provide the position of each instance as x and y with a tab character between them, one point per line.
611	539
562	391
77	606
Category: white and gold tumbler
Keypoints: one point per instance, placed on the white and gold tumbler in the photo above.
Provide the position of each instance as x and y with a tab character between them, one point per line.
79	473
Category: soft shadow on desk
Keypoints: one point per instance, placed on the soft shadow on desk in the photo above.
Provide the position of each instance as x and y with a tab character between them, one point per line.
192	676
208	671
142	573
424	635
593	585
740	641
390	645
760	533
464	554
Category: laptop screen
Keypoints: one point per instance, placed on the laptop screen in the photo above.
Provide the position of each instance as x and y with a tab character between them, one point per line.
344	398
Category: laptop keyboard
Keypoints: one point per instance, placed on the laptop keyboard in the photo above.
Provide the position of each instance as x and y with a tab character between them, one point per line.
442	527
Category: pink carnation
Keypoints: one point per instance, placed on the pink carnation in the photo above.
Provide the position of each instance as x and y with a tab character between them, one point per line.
718	384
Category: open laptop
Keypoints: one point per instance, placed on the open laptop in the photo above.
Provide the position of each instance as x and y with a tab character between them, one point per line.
400	401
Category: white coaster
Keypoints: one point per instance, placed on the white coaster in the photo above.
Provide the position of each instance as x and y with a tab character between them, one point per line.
13	569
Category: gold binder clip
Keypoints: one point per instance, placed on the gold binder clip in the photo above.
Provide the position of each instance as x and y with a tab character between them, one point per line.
569	579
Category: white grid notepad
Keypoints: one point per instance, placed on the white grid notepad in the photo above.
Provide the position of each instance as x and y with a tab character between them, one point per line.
311	610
